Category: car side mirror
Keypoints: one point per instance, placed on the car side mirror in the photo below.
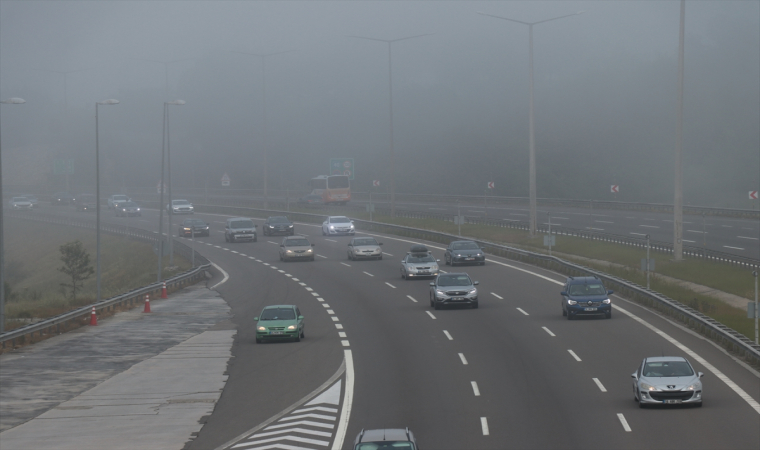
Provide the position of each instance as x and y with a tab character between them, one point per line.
432	284
476	283
256	319
610	292
437	260
312	245
563	293
700	374
349	244
255	226
402	260
633	375
282	245
300	317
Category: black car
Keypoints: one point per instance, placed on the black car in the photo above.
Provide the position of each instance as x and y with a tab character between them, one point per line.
61	198
192	227
127	209
311	199
585	296
85	202
464	252
278	225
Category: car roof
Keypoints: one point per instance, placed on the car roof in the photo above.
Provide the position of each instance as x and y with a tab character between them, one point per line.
297	236
280	306
385	434
664	358
583	280
238	218
337	217
462	240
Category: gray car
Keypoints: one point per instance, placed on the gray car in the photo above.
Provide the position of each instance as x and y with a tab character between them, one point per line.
21	203
296	248
667	380
387	438
419	263
364	247
239	229
127	209
453	289
180	207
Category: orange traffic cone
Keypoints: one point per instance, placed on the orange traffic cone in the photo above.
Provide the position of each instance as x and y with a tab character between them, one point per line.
163	290
147	304
93	317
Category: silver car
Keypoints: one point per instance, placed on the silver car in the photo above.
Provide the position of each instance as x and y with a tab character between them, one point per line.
453	289
180	207
337	225
296	247
364	247
667	380
419	263
21	203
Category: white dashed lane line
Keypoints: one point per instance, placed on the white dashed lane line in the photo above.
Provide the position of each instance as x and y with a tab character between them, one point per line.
649	226
387	254
339	326
275	243
624	422
746	237
574	355
521	310
411	298
464	360
325	257
347	265
330	311
325	305
344	343
448	335
430	314
547	330
484	426
335	319
331	240
497	296
367	273
394	287
733	248
341	334
475	389
599	384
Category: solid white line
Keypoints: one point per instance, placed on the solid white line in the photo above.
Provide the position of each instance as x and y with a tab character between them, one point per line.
464	360
430	314
448	335
601	221
387	254
638	234
331	240
412	298
394	287
369	274
649	226
275	243
348	395
520	309
599	383
735	248
697	231
624	422
325	257
224	280
475	389
497	296
484	425
347	265
547	330
574	355
745	237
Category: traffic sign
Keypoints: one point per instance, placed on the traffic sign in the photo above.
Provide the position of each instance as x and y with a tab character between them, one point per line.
158	187
614	188
225	179
490	185
342	166
375	183
753	195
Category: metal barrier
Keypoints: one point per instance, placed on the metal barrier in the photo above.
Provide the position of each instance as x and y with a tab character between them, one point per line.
131	297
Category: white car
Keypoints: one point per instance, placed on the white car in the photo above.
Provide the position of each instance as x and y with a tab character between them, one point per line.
338	225
180	207
114	200
21	203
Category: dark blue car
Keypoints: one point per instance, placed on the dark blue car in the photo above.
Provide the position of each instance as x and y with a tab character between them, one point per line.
585	296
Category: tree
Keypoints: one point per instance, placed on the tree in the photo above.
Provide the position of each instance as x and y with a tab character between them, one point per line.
76	264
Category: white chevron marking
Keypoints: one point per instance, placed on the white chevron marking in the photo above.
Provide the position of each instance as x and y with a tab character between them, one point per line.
316	408
292	430
306	416
302	422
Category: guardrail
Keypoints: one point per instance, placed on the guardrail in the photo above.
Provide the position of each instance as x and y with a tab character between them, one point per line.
131	297
707	326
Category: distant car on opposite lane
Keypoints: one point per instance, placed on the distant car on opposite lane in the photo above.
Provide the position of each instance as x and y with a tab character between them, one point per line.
364	247
116	199
464	252
128	209
278	225
33	199
335	225
180	206
21	203
667	380
193	227
61	198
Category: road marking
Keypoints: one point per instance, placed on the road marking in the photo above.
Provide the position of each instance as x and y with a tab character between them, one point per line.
430	314
325	305
638	234
345	343
411	298
727	226
295	279
224	280
243	254
464	360
335	319
746	237
563	218
217	246
315	294
497	296
233	251
387	254
484	426
475	211
624	422
547	330
597	229
288	275
292	430
347	265
325	257
602	221
686	240
341	334
439	209
516	214
475	389
348	395
320	299
448	335
309	289
275	243
394	287
339	326
301	283
520	309
273	267
266	264
599	383
330	311
281	271
697	231
735	248
331	240
649	226
369	274
574	355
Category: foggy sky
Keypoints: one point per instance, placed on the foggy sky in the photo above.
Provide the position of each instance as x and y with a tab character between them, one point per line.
605	95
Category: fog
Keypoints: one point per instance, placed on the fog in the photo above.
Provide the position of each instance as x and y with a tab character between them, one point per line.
605	95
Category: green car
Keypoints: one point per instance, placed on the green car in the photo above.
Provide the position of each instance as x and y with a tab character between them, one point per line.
279	322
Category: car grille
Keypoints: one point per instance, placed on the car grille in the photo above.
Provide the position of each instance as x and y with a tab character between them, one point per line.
671	395
453	293
276	328
582	303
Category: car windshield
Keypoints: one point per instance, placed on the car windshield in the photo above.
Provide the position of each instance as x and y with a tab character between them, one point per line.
389	445
278	314
129	205
339	220
365	241
587	289
278	220
465	246
419	258
297	242
20	199
180	202
241	224
121	198
195	222
454	280
667	369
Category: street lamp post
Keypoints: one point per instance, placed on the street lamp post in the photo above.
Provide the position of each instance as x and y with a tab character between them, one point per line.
390	112
97	193
11	101
169	177
532	141
678	195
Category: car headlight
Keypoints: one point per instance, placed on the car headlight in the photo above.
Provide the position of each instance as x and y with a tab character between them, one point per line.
647	387
332	226
433	267
186	229
695	387
479	254
458	255
606	301
411	269
309	250
439	292
571	302
288	251
352	225
473	291
290	226
138	209
262	328
291	327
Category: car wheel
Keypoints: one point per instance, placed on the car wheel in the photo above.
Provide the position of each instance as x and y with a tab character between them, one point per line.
475	305
298	338
323	232
608	315
445	260
380	257
564	313
258	341
436	305
569	316
302	333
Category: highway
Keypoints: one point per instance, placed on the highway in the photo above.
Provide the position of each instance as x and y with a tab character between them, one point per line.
511	374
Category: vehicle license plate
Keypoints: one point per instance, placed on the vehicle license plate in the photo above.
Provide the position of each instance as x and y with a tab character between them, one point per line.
275	332
469	259
589	309
670	402
457	299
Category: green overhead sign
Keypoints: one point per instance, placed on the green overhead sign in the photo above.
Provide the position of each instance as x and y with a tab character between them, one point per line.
342	166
